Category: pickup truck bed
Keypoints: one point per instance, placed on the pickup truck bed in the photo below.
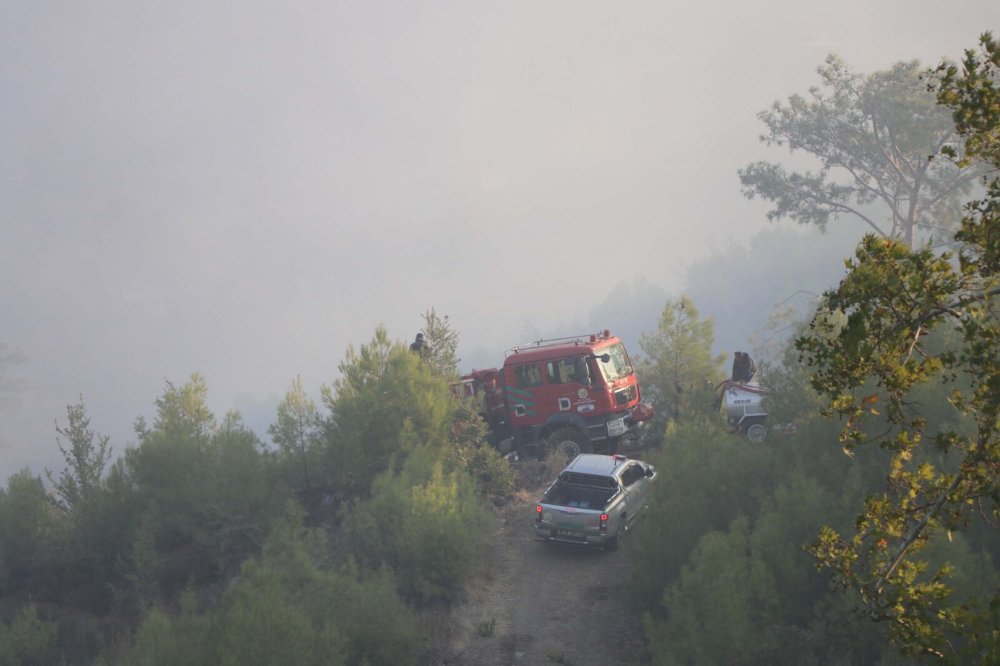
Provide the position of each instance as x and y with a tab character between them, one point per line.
578	497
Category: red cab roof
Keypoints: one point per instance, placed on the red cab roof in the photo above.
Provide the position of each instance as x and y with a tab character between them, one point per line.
560	348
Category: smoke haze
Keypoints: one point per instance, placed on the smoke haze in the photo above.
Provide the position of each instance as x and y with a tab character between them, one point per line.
244	189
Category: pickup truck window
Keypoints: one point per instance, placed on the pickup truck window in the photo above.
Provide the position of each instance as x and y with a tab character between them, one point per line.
577	479
632	473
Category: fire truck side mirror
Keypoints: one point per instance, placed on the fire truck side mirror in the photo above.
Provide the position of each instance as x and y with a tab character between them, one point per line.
604	358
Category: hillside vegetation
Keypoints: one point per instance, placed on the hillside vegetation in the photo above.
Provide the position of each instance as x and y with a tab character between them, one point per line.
865	532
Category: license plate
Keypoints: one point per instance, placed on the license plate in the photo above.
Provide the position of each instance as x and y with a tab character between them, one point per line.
616	427
570	533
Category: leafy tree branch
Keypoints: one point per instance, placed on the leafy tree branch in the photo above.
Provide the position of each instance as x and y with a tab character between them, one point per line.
912	320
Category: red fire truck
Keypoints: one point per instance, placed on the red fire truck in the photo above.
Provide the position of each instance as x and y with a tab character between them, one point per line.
578	395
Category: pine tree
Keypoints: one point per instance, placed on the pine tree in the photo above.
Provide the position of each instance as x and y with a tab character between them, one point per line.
86	458
678	369
442	340
297	429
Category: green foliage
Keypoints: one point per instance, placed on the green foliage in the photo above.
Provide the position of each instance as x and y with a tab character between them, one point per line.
286	609
57	558
973	95
297	433
749	595
792	398
711	603
163	640
720	568
872	137
491	470
706	477
788	520
893	298
385	400
426	522
201	493
678	370
379	627
85	461
883	359
194	499
442	341
182	412
31	531
28	640
262	625
388	402
80	493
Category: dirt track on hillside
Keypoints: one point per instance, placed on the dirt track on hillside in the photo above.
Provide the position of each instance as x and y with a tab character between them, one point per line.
540	604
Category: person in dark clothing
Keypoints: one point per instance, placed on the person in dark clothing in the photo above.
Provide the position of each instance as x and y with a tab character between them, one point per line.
743	367
420	346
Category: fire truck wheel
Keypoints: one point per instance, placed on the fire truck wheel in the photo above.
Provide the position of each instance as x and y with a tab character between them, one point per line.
568	441
757	433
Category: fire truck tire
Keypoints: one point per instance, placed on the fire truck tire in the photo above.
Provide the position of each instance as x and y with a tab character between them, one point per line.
756	433
569	441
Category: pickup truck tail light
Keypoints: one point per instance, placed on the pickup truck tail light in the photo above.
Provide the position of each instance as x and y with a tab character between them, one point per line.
604	522
538	513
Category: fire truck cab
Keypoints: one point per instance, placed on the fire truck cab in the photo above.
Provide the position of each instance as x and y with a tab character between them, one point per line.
578	395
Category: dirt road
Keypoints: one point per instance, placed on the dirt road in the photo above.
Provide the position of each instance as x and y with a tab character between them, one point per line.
540	604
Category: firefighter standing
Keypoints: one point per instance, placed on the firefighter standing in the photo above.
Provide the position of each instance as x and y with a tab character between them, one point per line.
420	347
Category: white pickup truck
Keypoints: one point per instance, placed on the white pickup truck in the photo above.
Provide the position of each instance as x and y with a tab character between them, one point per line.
594	500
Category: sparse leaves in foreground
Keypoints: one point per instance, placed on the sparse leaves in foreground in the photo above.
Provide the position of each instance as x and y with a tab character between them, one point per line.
918	319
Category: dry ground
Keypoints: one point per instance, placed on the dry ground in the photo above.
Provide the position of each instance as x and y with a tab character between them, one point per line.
540	604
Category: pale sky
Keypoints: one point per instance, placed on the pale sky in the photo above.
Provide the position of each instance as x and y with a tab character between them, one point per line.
244	188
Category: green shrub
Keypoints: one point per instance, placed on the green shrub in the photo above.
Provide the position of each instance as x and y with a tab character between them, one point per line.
202	493
163	640
28	640
287	609
262	623
426	523
31	533
495	476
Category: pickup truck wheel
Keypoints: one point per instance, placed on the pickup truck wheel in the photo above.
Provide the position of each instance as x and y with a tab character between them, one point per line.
619	536
569	441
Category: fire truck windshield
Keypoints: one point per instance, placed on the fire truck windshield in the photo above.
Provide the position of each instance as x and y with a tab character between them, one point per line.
617	366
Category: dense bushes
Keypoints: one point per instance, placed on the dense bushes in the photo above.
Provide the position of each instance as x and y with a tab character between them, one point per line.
287	608
425	522
184	539
31	535
722	572
385	401
201	503
27	640
728	527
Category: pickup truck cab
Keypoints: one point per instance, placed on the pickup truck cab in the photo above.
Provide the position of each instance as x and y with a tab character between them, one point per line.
594	500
